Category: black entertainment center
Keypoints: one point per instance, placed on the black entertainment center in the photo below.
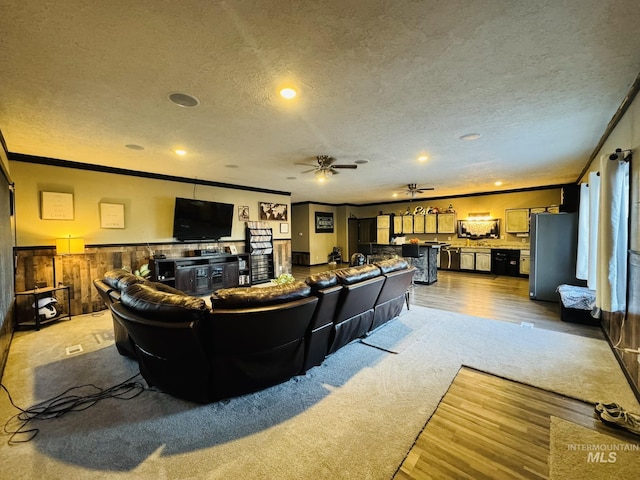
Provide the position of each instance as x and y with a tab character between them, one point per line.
200	275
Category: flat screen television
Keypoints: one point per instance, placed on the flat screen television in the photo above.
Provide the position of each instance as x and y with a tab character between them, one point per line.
201	219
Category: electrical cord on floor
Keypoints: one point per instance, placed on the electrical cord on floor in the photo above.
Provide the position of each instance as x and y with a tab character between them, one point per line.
64	403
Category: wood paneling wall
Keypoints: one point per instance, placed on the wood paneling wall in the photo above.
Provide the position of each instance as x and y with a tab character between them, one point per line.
79	271
6	272
624	331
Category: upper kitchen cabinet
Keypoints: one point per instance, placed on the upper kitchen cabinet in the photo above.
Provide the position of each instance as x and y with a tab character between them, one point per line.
383	224
418	224
447	223
517	220
397	224
407	224
431	223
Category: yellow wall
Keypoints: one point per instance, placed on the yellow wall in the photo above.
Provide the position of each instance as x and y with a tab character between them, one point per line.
495	204
626	136
148	205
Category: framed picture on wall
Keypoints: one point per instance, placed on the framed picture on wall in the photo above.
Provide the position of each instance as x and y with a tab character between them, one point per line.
56	206
284	228
111	215
273	211
324	222
243	213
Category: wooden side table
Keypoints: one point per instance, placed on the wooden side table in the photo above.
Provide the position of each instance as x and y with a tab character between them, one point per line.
30	297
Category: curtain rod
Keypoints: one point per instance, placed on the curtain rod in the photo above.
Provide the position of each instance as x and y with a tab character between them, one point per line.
621	153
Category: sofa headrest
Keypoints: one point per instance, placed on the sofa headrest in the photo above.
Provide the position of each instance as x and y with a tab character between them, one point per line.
120	279
163	287
392	264
351	275
247	297
319	281
149	302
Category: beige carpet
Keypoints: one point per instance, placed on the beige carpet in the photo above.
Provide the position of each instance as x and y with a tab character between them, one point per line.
579	453
356	416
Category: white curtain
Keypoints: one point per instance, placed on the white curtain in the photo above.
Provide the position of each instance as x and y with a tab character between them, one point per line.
613	213
582	260
587	256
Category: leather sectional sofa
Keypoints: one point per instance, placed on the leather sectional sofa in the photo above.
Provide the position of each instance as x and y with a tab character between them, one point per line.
252	337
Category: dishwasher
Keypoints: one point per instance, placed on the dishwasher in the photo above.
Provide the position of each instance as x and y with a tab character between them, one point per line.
449	258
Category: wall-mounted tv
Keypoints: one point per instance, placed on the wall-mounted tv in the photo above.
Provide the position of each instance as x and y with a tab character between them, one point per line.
201	219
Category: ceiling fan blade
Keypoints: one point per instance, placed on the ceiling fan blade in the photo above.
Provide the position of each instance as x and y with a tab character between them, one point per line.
353	167
308	171
305	164
333	171
424	189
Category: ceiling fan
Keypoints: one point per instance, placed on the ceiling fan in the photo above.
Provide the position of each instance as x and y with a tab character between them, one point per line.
413	189
326	166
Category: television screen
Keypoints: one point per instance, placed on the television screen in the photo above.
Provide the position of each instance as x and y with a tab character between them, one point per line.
201	220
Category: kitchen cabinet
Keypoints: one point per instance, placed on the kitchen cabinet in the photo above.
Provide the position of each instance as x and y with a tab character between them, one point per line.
467	261
431	223
446	223
383	224
418	224
517	220
475	259
397	225
383	221
524	262
407	224
483	262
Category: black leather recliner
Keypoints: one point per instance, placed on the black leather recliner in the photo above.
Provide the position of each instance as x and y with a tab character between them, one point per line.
354	313
167	331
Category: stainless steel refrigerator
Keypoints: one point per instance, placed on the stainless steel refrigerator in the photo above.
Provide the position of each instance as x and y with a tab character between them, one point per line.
554	240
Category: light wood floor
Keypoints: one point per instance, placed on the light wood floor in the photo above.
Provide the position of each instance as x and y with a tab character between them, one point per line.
487	427
486	296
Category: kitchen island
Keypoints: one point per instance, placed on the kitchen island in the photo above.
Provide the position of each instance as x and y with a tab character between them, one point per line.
426	264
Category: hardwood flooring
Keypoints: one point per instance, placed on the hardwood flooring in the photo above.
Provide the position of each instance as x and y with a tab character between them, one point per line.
486	296
487	427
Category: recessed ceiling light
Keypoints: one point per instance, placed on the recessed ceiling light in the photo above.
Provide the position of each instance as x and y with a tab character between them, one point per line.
423	158
394	195
288	93
361	161
470	137
231	166
184	99
133	146
180	152
498	183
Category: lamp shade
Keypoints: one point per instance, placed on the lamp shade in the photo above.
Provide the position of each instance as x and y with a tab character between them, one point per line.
68	246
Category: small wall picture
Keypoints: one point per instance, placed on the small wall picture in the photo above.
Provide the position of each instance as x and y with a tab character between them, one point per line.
284	228
273	211
57	206
243	213
111	215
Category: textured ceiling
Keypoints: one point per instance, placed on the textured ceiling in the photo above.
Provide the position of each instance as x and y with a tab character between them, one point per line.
383	81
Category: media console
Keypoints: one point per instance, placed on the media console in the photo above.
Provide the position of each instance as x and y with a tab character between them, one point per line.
203	274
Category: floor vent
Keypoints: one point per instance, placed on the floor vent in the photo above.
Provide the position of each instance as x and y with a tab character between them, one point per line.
73	349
